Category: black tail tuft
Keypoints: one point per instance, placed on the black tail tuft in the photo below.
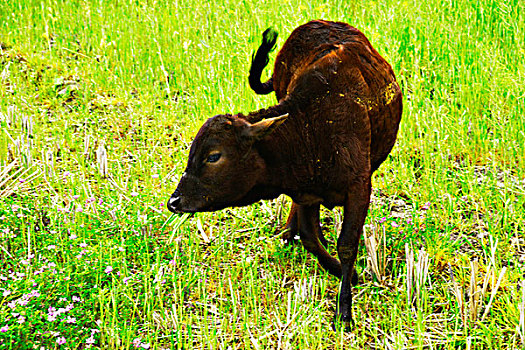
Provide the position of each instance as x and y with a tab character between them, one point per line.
260	60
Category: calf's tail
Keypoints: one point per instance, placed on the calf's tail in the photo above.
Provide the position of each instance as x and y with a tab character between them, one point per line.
260	60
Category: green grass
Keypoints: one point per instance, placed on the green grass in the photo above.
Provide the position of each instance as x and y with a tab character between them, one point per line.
90	258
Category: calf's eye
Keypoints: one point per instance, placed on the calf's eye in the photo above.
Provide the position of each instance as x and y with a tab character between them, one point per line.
212	158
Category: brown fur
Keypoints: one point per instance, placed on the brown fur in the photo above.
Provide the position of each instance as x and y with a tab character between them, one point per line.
344	107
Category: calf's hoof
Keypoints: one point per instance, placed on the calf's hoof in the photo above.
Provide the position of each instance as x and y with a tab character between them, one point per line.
289	237
346	326
343	321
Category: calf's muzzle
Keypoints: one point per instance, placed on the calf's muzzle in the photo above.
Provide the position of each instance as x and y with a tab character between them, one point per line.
173	203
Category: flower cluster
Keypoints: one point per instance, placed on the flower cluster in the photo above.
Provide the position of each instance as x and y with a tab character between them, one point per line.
137	342
24	299
53	313
39	304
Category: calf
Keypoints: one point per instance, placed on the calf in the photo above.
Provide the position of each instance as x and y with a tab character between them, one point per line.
336	120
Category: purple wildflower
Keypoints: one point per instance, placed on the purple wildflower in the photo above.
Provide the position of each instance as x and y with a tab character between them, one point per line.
136	342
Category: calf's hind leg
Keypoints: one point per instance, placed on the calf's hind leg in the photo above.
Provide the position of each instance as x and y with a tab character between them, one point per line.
309	231
312	239
291	229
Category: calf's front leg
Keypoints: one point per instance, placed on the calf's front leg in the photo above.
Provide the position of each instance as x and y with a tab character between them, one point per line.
355	210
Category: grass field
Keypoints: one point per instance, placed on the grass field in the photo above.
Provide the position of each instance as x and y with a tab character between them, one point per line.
99	101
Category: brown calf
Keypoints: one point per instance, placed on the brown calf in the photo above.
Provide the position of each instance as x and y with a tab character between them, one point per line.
335	122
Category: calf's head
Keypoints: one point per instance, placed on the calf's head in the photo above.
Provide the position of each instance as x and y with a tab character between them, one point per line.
223	165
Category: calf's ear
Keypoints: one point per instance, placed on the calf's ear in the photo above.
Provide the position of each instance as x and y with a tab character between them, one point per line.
263	128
